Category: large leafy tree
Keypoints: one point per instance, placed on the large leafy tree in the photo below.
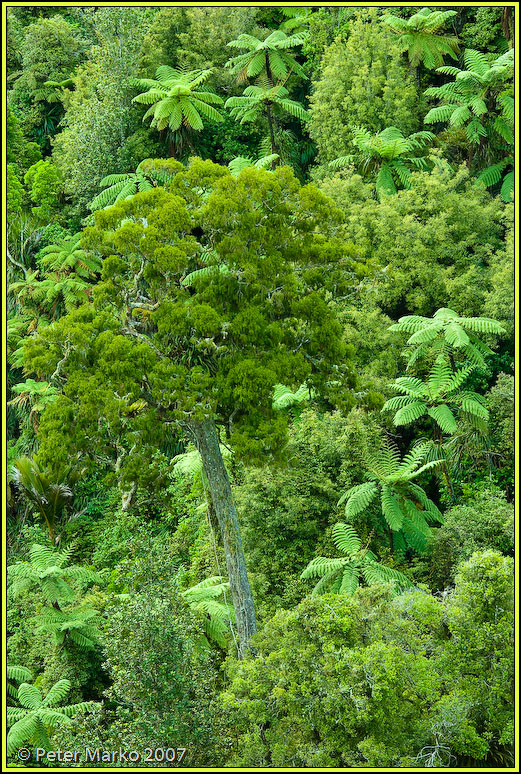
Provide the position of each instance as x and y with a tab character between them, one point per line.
430	242
388	154
210	352
362	81
418	36
98	129
177	103
51	48
269	57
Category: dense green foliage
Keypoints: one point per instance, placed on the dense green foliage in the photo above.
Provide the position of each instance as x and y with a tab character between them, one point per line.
260	391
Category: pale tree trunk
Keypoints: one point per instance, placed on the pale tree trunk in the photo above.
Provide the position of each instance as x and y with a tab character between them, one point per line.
127	495
204	434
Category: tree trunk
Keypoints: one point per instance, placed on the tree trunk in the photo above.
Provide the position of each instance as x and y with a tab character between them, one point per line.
506	24
438	439
274	148
204	435
127	498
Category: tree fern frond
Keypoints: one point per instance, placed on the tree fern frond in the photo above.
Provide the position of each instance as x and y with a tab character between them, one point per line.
410	412
349	582
346	539
358	498
391	509
29	696
321	566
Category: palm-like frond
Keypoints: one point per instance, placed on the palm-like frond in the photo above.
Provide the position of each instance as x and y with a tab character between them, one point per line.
38	715
49	570
417	35
18	674
175	99
49	496
388	153
346	539
255	98
474	93
77	623
450	331
217	615
267	57
404	506
435	396
149	174
283	397
341	575
358	498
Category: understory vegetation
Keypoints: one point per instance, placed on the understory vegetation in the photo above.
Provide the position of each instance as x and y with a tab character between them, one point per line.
260	385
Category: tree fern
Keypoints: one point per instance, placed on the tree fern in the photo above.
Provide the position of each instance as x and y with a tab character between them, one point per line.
404	507
259	99
438	395
176	100
78	624
48	569
388	155
343	575
38	715
284	398
217	615
445	333
358	497
68	256
31	399
474	98
239	163
269	57
123	186
417	35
